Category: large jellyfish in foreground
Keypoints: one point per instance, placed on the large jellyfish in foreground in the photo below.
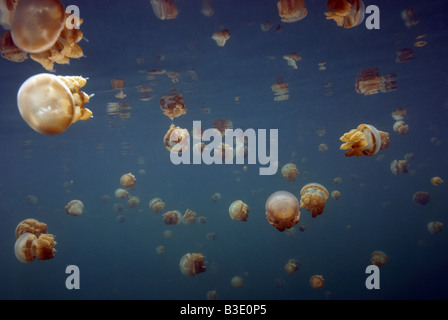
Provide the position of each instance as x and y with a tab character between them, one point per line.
282	210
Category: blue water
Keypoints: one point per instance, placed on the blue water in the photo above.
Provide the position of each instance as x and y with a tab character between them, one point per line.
119	261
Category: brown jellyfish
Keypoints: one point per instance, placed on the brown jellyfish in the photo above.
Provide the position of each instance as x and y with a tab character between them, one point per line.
212	295
434	226
173	105
192	263
117	83
302	227
378	258
32	200
133	202
121	193
282	210
238	210
401	127
31	226
160	249
156	205
404	55
291	10
164	9
207	8
435	181
364	140
237	282
281	90
189	217
347	13
178	137
292	265
399	167
421	197
74	208
127	180
290	172
317	282
221	37
313	198
29	247
49	104
172	217
215	197
167	234
336	194
9	50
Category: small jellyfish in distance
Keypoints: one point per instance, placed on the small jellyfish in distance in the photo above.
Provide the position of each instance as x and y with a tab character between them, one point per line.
435	181
291	10
121	193
290	172
378	258
167	234
157	205
127	180
189	217
292	265
282	210
399	167
317	281
164	9
32	200
172	217
238	210
302	227
434	227
215	197
221	37
175	136
49	104
400	127
160	249
121	218
133	202
336	194
74	208
323	147
421	197
212	295
237	282
364	140
192	264
313	198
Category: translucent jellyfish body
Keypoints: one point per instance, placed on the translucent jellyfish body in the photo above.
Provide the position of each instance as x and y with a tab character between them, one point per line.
175	136
434	227
346	13
28	247
290	172
127	180
291	10
317	281
157	205
282	210
292	265
313	198
378	258
49	104
172	217
364	140
31	226
192	263
74	208
399	167
173	105
164	9
189	217
238	210
221	37
237	282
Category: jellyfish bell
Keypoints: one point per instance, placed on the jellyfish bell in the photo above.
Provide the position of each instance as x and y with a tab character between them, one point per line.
49	104
74	208
156	205
291	10
378	258
282	210
28	247
127	180
317	281
237	282
238	210
290	172
347	13
364	140
434	227
292	265
31	226
313	198
192	263
172	217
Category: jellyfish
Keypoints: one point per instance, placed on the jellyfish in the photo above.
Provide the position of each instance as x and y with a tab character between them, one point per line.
399	167
173	105
192	263
279	283
281	90
127	180
156	205
31	226
74	208
118	207
364	140
221	37
378	258
164	9
401	127
291	10
421	197
189	217
9	50
121	193
176	136
202	220
282	210
302	227
211	236
404	55
370	82
399	114
167	234
322	147
207	8
215	197
32	200
335	194
222	124
238	210
292	265
337	180
290	172
292	58
160	249
313	198
49	104
237	282
409	17
434	226
121	218
172	217
133	202
28	247
212	295
6	13
346	13
435	181
317	282
117	83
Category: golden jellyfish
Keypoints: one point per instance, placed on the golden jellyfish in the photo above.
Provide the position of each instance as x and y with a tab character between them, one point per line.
160	249
172	217
292	265
202	220
420	43
421	197
211	236
192	263
281	90
74	208
336	194
399	167
364	140
31	226
434	226
337	180
291	10
401	127
290	172
173	105
221	37
127	180
346	13
282	210
164	9
291	58
28	247
322	147
133	202
167	234
399	114
370	82
409	17
378	258
302	227
238	210
237	282
222	124
32	200
156	205
435	181
121	193
317	282
313	198
118	207
189	217
117	83
175	136
49	104
215	197
9	50
207	8
212	295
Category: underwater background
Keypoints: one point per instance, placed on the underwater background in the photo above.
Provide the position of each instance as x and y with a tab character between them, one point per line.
376	211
